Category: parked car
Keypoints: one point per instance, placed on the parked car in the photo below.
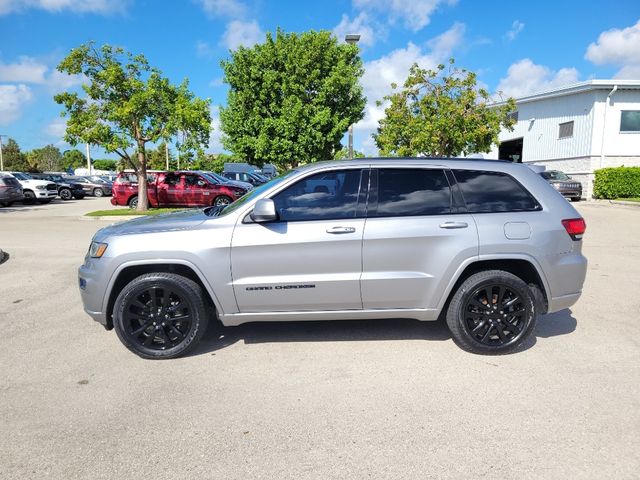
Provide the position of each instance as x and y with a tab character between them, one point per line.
220	179
182	188
564	184
93	188
40	191
247	177
489	245
66	189
10	190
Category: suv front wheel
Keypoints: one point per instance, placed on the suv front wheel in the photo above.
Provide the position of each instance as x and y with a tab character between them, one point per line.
160	315
492	312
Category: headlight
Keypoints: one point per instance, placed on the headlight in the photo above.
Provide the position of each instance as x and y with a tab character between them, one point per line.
97	249
41	187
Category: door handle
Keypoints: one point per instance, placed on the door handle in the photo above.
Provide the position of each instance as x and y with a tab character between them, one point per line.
338	230
452	225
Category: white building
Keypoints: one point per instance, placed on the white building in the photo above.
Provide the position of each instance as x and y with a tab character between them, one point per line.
578	129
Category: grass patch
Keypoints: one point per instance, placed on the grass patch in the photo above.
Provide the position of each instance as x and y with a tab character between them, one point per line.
633	199
116	212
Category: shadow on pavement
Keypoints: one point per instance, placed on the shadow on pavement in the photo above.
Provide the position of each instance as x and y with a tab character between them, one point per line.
219	337
4	257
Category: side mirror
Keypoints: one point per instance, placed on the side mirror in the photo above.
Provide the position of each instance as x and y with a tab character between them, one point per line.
264	211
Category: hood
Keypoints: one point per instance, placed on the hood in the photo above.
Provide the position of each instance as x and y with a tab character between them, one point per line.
167	222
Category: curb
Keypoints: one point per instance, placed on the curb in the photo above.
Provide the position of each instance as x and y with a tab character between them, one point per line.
115	218
596	201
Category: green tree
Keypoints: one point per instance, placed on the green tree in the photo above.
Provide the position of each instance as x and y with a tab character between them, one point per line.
213	162
127	104
105	164
343	154
157	158
13	159
291	99
441	113
73	159
45	159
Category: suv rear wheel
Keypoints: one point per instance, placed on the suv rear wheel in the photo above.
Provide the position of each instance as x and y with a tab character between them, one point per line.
160	315
65	194
492	312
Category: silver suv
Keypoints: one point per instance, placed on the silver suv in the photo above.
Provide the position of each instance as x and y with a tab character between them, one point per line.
488	245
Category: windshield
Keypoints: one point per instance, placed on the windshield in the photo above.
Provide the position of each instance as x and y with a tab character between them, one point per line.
22	176
555	175
254	193
213	178
56	178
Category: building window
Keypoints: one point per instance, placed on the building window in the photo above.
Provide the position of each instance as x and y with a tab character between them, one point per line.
630	121
566	130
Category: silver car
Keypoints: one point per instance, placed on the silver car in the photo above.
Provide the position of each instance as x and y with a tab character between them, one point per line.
486	245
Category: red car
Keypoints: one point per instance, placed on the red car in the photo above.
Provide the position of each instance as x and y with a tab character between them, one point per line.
175	189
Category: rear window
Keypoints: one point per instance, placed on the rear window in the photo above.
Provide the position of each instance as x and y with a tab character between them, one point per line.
489	192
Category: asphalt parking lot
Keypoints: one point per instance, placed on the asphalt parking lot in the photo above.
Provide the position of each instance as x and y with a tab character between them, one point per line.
390	399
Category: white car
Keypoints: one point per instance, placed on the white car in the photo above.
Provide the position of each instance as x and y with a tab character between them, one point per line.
34	190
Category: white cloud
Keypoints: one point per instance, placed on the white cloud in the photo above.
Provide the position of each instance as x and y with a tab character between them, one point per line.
239	33
26	70
59	81
516	28
104	7
394	68
619	47
362	24
12	100
415	14
227	8
525	77
204	50
56	128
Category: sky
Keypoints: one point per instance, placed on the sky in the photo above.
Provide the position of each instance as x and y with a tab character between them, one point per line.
515	47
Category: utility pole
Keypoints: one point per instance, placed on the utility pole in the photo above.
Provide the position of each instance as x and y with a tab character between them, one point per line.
88	159
1	159
351	39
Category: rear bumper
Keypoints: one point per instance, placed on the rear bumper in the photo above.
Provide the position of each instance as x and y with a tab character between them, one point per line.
565	301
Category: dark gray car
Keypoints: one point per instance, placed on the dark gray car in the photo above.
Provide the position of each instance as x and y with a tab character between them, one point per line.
10	190
564	184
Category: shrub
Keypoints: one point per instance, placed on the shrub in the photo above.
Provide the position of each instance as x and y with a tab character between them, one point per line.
620	182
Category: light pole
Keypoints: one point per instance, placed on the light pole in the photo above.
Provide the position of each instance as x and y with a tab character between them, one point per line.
351	39
1	159
88	159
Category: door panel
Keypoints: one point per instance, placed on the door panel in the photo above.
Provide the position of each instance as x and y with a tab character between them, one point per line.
413	239
310	259
297	266
408	261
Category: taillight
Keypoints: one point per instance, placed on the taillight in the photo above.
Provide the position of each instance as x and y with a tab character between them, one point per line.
575	227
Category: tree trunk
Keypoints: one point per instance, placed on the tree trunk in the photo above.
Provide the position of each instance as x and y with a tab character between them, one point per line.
143	203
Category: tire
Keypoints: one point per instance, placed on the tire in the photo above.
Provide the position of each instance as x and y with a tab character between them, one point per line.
5	204
65	194
133	202
221	200
98	192
29	196
182	323
498	328
575	199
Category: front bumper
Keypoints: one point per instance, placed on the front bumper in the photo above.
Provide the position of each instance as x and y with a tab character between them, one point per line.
92	292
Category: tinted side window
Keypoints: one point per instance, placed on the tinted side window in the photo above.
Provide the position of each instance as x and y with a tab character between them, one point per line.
324	196
486	192
404	192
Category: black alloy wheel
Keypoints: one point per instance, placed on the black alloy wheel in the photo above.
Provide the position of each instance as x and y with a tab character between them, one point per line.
65	194
160	315
222	200
492	312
